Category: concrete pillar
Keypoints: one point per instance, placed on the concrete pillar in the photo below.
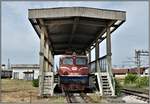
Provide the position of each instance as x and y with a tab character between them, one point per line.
96	57
108	48
50	60
47	61
109	62
41	72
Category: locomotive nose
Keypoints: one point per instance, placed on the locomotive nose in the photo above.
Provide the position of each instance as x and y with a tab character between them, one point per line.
65	73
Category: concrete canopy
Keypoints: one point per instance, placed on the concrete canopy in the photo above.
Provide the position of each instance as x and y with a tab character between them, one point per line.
74	28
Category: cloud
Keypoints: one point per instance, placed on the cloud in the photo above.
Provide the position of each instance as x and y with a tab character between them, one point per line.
133	34
20	41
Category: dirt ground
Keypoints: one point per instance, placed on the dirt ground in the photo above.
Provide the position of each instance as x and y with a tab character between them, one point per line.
23	91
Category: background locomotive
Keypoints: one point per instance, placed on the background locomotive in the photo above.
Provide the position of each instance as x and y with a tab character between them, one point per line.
73	72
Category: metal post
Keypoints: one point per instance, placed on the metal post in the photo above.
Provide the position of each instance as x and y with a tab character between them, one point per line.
89	59
41	72
97	56
89	56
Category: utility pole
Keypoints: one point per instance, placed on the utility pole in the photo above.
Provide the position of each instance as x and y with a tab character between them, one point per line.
138	54
8	65
137	60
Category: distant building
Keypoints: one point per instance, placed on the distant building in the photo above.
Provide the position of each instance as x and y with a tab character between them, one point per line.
122	72
3	66
25	71
5	73
146	72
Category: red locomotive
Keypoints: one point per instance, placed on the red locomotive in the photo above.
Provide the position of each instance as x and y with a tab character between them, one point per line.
73	72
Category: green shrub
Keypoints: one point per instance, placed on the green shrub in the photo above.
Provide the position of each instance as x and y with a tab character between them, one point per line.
35	83
130	78
142	81
137	81
117	87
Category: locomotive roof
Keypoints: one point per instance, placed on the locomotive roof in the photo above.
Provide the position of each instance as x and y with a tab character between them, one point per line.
72	56
75	28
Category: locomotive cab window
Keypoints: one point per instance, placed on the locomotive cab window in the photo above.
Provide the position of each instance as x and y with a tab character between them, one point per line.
68	61
80	61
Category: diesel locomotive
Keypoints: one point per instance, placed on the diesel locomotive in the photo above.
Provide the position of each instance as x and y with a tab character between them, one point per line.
73	72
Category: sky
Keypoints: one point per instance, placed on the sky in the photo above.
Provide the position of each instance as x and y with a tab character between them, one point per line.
21	44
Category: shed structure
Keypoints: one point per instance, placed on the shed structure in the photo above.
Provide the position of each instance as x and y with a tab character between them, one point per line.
79	29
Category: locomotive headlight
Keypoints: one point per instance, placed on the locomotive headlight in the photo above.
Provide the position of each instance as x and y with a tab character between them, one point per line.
74	68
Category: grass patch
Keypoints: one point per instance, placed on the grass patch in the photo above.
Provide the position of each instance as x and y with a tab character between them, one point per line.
135	82
22	91
13	85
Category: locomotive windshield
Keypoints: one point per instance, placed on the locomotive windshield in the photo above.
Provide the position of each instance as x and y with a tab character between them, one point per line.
80	61
68	61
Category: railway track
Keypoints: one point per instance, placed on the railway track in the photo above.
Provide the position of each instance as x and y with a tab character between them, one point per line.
139	95
78	98
81	97
74	98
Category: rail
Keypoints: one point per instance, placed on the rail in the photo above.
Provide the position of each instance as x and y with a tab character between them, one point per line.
143	96
75	97
72	97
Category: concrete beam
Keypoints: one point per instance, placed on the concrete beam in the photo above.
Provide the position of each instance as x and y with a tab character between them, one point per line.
69	21
74	27
77	12
77	35
41	24
58	22
100	33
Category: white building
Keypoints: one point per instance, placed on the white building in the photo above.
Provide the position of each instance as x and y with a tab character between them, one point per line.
146	72
25	71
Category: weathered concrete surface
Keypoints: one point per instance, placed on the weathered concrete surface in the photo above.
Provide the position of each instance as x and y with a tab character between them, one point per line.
74	28
77	11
